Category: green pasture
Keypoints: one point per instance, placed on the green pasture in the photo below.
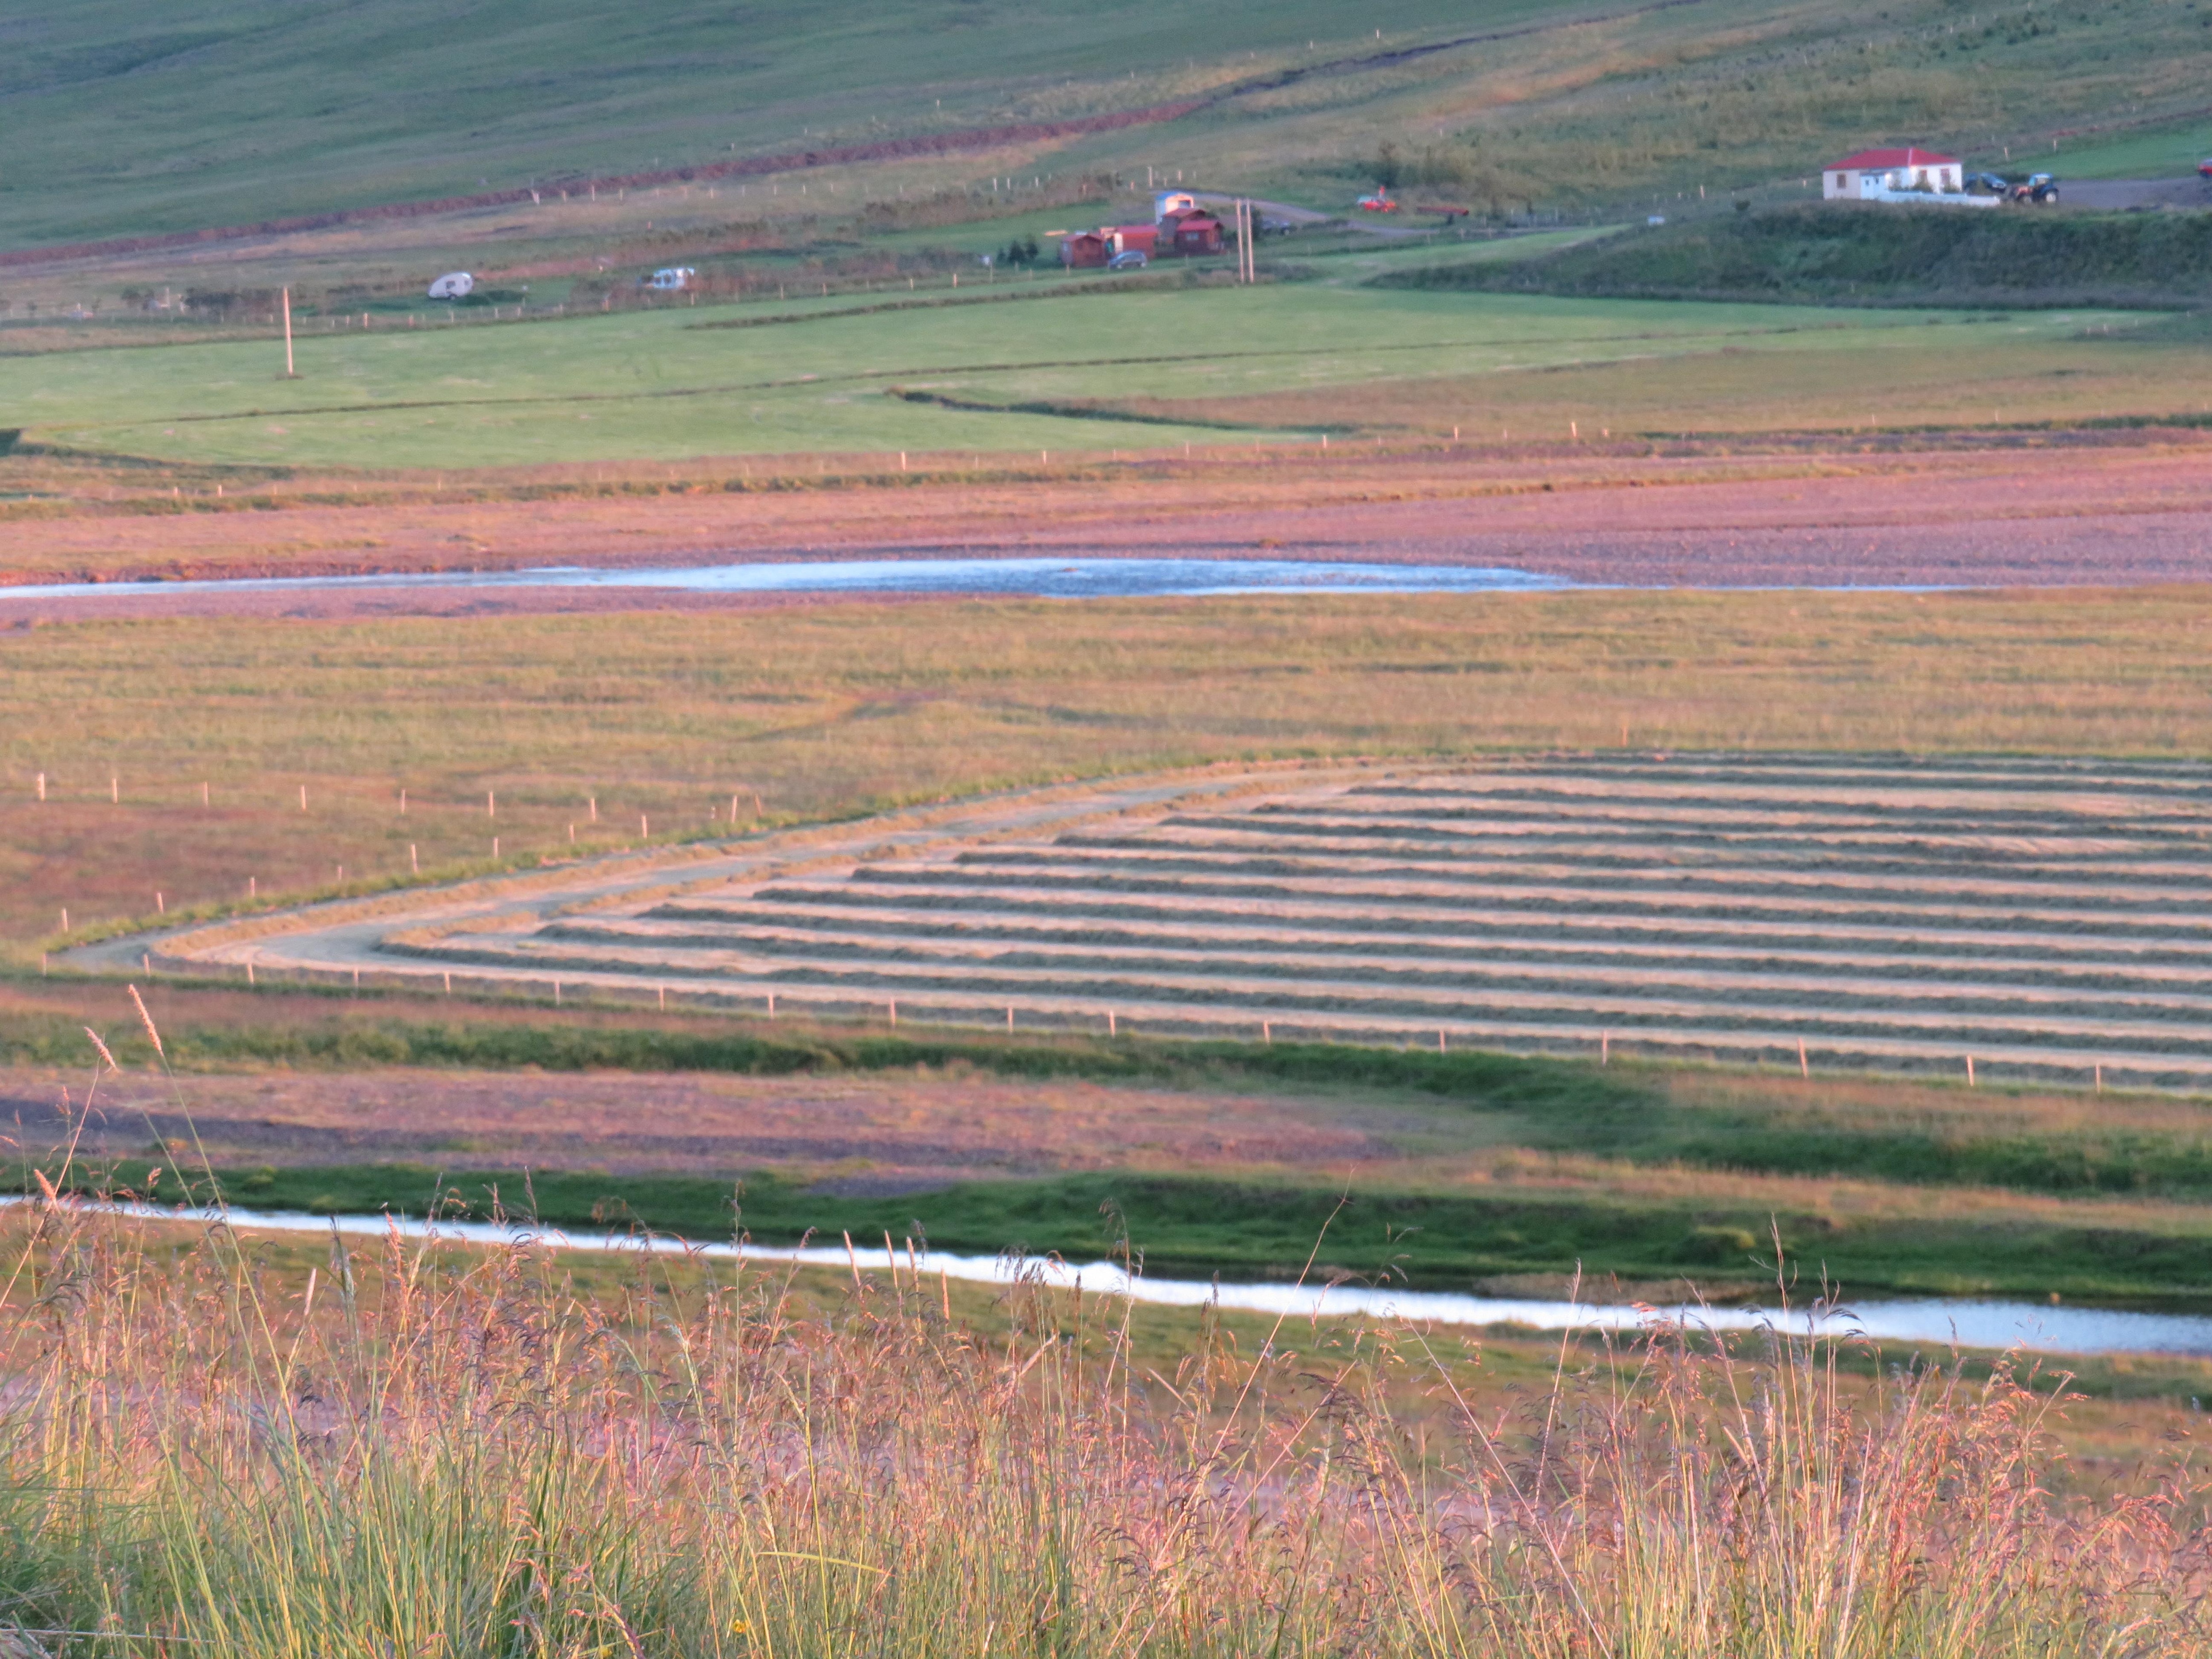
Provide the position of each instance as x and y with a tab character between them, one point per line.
2162	153
685	382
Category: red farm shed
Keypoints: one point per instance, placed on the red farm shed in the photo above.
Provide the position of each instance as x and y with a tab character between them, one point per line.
1195	233
1085	249
1136	238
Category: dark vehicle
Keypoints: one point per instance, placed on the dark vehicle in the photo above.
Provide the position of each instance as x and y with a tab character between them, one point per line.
1129	260
2039	190
1985	183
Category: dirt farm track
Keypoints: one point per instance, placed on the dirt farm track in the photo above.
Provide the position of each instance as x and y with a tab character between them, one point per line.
2047	919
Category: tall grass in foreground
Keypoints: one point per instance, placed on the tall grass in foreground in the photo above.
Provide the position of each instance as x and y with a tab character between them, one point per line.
427	1452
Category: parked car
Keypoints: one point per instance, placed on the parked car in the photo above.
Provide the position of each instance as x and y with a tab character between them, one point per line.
1985	183
1130	259
670	279
2204	167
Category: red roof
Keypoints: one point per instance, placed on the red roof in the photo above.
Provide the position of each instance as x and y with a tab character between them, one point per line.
1872	161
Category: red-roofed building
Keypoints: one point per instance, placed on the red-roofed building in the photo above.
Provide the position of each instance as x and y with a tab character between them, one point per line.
1196	232
1873	173
1084	250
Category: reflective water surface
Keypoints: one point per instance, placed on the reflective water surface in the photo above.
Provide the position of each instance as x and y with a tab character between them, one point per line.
1940	1323
1054	579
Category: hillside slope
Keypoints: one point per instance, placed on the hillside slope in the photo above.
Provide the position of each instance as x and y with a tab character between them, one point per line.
229	112
237	110
1850	253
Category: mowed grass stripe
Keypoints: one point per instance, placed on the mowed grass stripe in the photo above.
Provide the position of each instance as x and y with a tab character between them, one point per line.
2066	917
1733	828
1719	987
1162	1004
1451	912
1904	953
2167	880
1654	889
1523	835
2103	975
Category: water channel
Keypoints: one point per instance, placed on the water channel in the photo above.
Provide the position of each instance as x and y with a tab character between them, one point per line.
1941	1323
1026	578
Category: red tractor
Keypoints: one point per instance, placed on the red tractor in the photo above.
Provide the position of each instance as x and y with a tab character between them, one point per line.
1381	202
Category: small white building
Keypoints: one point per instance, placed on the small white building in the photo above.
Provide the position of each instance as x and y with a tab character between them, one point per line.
1172	201
1878	175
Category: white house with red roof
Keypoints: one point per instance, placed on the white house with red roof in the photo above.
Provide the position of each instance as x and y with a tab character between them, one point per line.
1877	175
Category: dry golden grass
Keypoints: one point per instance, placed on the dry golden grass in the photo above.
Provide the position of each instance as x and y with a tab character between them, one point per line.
423	1452
842	708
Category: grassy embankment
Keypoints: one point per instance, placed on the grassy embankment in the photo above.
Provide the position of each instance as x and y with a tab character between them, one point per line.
1878	254
415	1451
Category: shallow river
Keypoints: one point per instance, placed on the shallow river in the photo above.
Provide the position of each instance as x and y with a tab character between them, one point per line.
1994	1325
1054	579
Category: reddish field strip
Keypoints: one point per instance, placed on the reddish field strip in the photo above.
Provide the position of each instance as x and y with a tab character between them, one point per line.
856	1133
2098	515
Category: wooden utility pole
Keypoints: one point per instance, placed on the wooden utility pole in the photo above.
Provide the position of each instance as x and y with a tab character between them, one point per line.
289	374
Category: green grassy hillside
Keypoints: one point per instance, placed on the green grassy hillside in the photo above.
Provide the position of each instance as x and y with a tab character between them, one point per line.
1852	253
234	110
121	122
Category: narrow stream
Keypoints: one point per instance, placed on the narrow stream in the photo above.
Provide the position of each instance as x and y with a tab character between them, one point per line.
1028	578
1942	1323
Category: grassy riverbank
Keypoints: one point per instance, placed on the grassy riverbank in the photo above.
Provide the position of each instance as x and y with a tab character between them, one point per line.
1430	1241
444	1453
1450	1171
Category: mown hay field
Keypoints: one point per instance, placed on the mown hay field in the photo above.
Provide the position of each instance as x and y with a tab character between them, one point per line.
513	727
2044	918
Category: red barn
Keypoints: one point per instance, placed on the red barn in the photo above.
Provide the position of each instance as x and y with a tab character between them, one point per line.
1135	239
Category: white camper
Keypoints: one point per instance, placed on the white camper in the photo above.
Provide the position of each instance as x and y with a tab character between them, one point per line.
671	279
453	285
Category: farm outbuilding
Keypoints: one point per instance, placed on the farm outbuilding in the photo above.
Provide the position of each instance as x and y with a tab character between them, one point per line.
1872	175
1196	232
1085	249
1135	238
